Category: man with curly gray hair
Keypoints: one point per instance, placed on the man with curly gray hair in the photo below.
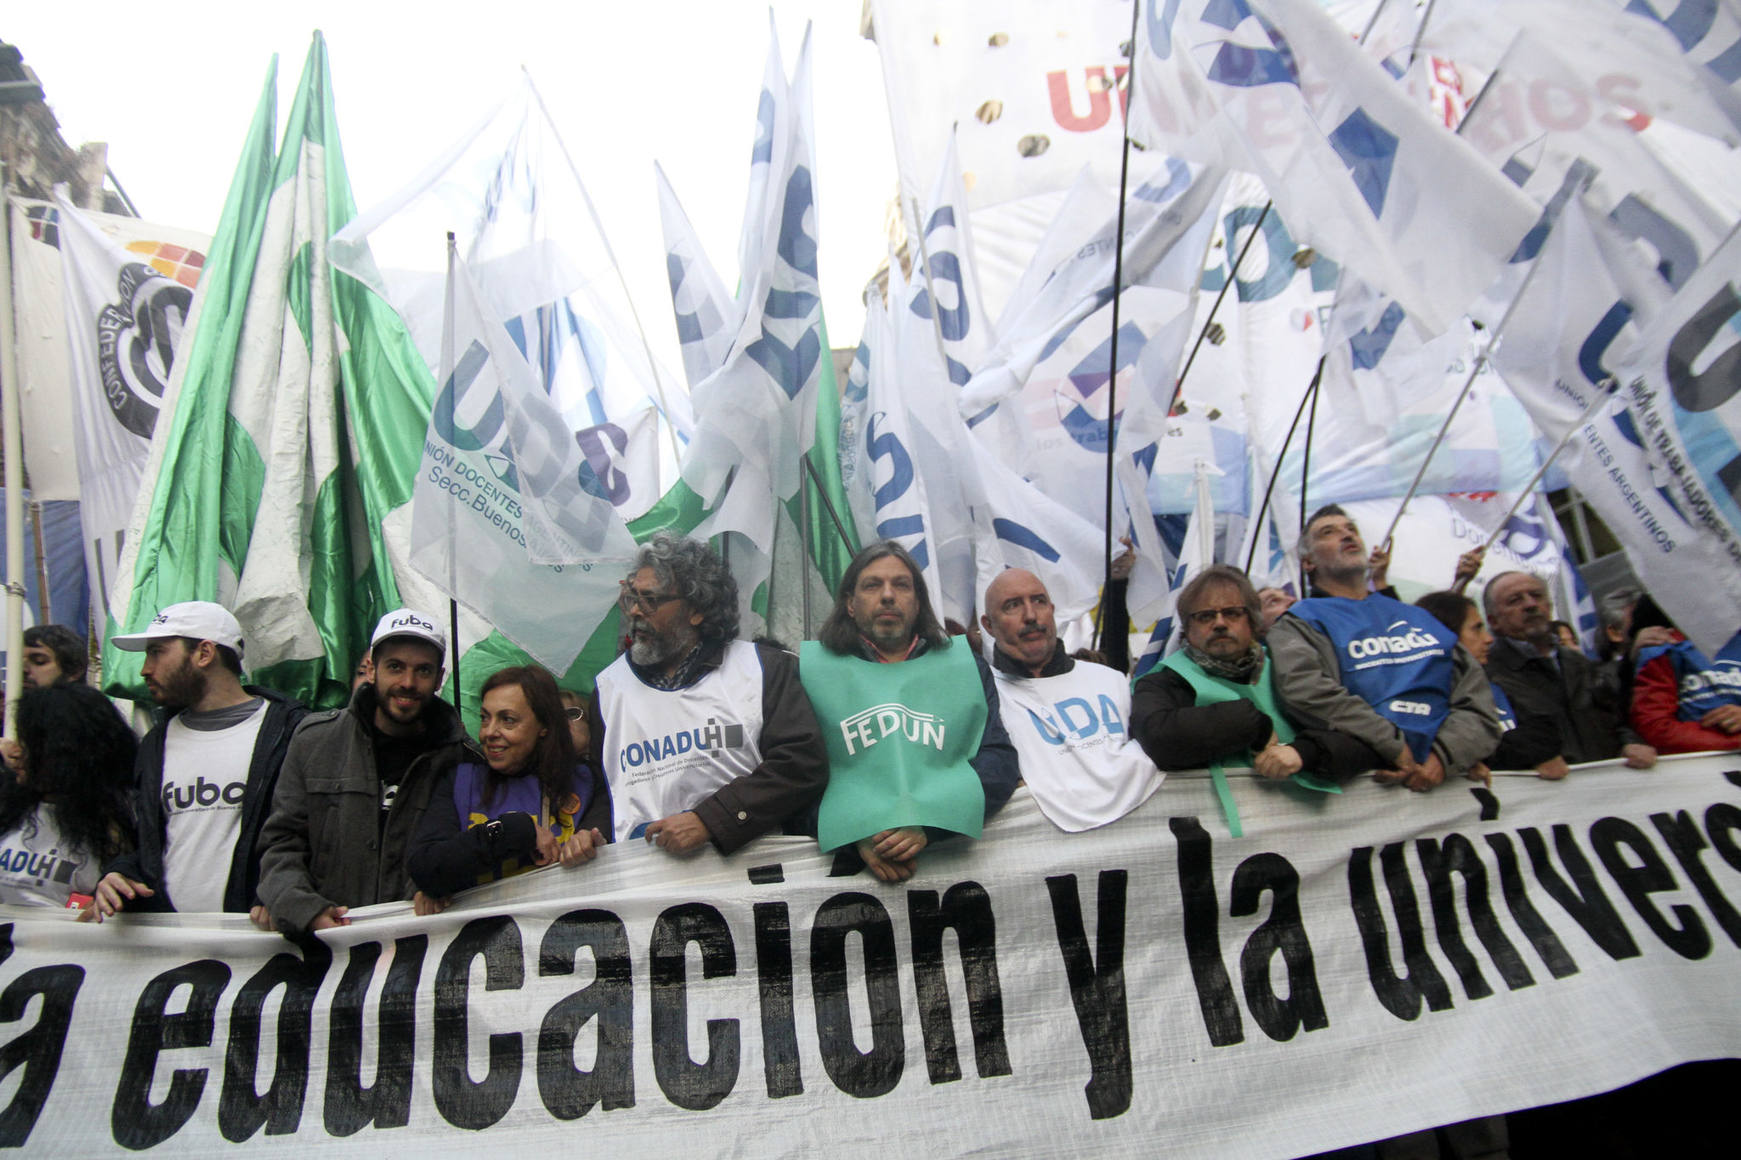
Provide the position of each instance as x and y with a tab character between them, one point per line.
702	737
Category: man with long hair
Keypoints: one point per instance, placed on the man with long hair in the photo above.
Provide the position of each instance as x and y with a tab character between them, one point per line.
916	745
702	737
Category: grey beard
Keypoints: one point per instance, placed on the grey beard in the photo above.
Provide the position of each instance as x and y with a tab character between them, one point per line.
654	650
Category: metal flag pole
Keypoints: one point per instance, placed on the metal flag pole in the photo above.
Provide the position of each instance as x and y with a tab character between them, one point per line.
1605	392
1287	440
12	447
447	322
1117	294
1481	361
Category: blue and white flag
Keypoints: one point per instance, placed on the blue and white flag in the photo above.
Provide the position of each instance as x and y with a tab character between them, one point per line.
1041	397
1360	172
525	226
755	416
706	314
505	517
1601	357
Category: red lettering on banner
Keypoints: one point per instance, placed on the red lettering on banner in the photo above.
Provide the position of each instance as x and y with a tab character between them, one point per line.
1099	104
1547	103
1623	91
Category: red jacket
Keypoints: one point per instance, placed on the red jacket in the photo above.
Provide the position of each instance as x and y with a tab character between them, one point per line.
1656	699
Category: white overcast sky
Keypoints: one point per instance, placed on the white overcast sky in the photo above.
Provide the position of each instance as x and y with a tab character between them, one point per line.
171	88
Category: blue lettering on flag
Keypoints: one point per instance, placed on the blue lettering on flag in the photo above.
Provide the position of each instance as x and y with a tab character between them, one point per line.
1369	151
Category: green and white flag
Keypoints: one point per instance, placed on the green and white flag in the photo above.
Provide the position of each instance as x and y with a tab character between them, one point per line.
270	489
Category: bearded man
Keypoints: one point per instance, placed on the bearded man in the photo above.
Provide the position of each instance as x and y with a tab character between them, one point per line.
702	737
916	744
204	778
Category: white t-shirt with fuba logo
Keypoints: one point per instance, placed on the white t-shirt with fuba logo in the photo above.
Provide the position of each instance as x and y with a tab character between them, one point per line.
205	775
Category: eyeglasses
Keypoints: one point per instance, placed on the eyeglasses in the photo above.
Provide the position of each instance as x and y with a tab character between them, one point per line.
646	603
575	712
1204	617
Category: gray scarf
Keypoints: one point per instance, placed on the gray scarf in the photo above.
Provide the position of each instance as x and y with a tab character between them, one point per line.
1243	669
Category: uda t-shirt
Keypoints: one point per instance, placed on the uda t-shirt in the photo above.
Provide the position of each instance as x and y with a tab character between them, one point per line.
1077	754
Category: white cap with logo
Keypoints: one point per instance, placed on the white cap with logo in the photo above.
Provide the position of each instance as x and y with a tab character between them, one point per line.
195	619
411	623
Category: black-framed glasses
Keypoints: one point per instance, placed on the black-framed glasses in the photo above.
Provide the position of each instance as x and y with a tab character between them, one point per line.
1204	617
646	603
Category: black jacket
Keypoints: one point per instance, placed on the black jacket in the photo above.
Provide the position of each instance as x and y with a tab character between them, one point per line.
1573	698
1178	733
145	864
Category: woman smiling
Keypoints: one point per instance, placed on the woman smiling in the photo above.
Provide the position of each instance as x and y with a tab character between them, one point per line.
530	803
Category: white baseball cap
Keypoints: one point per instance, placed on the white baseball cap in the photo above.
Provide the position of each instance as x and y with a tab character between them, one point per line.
195	619
409	622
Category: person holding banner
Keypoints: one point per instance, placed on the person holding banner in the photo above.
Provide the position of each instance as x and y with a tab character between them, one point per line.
1545	679
702	736
1684	701
530	803
916	744
1369	666
1529	742
204	781
1067	717
1214	700
356	781
66	812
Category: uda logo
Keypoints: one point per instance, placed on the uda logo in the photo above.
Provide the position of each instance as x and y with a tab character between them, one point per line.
1075	716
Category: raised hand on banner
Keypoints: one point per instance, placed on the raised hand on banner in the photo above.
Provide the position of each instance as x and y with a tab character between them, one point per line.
581	846
1468	567
679	833
1724	717
330	917
546	852
892	855
1553	769
1276	760
1638	755
1426	775
423	905
114	892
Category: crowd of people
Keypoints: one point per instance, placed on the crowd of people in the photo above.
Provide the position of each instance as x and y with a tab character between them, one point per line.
883	737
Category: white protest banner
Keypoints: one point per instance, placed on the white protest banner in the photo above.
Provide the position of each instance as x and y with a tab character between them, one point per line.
1371	963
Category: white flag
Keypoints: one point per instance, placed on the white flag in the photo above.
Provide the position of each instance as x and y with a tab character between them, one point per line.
1360	171
755	416
501	518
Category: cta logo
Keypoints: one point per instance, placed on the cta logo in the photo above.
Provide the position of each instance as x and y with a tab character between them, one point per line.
865	729
708	737
1411	708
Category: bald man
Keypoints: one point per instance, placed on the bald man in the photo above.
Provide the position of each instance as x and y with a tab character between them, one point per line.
1066	717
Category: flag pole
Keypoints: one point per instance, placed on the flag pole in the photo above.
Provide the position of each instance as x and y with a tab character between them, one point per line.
1603	394
1287	440
452	532
1117	293
1306	458
1481	361
12	447
616	268
822	494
